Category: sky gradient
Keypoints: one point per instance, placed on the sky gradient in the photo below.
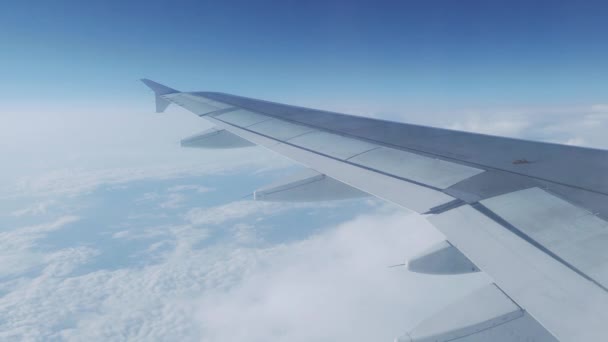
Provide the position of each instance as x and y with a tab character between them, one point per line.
413	53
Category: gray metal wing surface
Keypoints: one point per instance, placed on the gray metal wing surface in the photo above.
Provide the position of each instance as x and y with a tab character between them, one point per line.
531	215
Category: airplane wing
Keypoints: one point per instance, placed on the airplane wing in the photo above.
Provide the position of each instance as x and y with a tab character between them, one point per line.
531	215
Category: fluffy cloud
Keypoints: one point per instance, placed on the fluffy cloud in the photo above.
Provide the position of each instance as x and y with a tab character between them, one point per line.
18	252
35	209
502	126
176	196
332	286
189	187
232	211
73	181
582	125
174	200
240	209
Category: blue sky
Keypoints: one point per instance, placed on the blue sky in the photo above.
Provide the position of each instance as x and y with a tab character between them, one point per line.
417	53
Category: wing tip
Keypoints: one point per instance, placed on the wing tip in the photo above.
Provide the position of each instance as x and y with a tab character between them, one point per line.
159	89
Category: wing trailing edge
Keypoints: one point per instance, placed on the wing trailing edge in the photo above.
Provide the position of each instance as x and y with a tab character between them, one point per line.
487	314
214	138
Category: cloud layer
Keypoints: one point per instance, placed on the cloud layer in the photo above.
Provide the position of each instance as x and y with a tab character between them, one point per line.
334	285
205	272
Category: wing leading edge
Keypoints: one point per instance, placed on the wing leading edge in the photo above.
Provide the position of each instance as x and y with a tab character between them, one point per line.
530	214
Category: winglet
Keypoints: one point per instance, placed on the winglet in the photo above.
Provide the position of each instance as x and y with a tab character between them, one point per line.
159	90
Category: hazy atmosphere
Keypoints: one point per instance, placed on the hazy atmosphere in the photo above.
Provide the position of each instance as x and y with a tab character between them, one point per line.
110	231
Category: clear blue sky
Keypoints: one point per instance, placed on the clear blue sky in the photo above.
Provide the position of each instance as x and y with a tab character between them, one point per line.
447	53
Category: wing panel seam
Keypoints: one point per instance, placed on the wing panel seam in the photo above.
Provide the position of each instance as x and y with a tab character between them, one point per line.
334	158
506	224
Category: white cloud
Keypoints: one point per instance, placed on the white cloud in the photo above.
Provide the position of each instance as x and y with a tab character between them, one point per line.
576	125
189	187
142	234
34	308
600	108
148	196
61	263
575	141
232	211
176	197
173	201
240	209
332	286
74	181
39	208
245	233
502	127
18	252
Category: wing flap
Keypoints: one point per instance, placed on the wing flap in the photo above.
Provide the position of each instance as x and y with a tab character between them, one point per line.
487	314
333	145
570	306
426	170
441	258
214	138
572	234
307	186
279	129
241	118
